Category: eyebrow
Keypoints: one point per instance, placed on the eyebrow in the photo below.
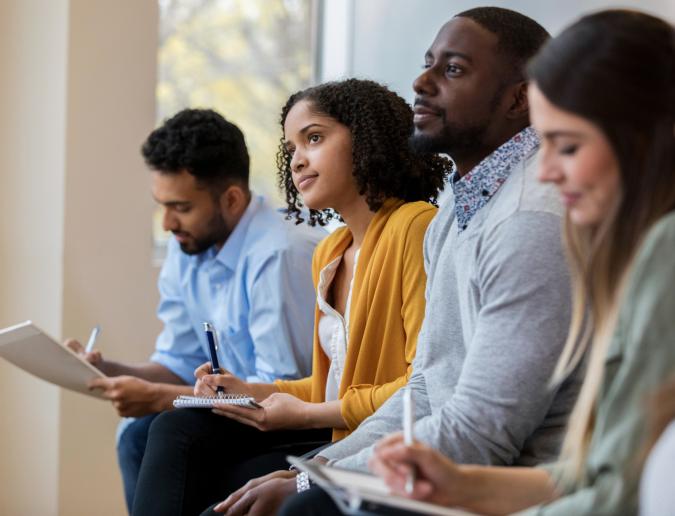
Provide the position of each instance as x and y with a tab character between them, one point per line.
447	54
551	135
170	203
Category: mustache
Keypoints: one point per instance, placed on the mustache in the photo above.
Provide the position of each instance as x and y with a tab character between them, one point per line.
419	101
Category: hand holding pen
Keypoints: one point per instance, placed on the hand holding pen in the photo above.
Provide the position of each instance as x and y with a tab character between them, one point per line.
212	339
91	355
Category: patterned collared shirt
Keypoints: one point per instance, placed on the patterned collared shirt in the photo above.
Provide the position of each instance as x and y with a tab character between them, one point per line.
475	189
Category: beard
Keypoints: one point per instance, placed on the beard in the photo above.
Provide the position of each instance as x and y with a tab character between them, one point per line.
454	139
451	139
215	232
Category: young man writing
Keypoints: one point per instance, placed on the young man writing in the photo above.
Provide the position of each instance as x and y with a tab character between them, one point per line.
229	264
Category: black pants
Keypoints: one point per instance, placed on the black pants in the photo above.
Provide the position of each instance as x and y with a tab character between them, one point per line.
195	458
315	502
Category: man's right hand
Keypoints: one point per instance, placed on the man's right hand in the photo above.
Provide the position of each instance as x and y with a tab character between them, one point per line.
93	357
207	383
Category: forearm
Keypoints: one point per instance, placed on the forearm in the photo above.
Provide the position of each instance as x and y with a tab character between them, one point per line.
325	415
504	490
150	371
165	394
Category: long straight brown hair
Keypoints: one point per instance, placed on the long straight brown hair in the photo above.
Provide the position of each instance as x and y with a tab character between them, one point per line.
615	69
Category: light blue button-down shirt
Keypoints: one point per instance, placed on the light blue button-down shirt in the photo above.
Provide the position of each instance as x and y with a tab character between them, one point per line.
257	292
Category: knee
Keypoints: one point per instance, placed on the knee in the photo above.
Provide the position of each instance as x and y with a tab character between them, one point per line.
133	438
176	423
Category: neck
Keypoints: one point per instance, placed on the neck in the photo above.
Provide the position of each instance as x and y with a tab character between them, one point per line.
357	217
469	161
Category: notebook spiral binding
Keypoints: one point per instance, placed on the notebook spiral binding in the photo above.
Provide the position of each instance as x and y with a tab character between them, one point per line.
209	401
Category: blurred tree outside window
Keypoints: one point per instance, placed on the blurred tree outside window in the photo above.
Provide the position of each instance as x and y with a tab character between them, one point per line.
242	58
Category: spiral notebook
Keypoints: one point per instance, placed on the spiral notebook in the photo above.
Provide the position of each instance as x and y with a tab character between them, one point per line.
358	493
210	401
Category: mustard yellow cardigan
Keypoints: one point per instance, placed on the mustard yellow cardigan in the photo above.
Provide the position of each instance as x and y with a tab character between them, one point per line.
387	308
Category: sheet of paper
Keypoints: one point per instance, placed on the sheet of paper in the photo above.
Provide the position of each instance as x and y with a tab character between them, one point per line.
29	348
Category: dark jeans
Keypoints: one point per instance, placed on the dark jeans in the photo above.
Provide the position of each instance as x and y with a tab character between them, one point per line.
195	458
315	502
130	450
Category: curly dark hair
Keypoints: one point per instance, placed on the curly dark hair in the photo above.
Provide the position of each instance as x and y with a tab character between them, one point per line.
202	142
380	123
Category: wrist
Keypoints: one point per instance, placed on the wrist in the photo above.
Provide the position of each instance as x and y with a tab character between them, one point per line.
467	481
162	398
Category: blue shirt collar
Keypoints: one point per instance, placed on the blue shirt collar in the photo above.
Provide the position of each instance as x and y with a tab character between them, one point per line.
476	188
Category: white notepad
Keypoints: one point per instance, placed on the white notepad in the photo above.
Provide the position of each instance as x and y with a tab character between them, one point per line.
210	401
351	489
29	348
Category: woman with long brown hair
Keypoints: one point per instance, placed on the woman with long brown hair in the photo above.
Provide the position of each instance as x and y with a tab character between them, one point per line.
602	99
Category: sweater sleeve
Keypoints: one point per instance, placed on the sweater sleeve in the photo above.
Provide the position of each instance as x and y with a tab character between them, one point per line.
502	393
361	401
301	388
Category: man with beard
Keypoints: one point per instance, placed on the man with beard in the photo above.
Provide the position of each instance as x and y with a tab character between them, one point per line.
235	262
498	289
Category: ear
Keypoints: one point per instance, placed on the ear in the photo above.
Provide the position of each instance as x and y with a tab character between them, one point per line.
233	202
519	107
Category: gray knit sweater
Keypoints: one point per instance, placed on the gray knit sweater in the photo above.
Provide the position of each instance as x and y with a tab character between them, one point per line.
497	313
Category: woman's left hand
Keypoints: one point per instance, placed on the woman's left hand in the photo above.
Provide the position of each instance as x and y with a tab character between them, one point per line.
279	411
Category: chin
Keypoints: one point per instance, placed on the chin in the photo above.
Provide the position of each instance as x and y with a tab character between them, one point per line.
583	218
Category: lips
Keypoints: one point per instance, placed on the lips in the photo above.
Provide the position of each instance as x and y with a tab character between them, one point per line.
570	198
181	237
423	112
306	180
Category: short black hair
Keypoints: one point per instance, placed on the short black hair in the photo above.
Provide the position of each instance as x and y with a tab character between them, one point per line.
384	166
519	37
204	144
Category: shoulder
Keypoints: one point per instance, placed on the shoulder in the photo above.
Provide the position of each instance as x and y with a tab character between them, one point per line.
410	217
659	243
327	248
523	192
652	268
271	232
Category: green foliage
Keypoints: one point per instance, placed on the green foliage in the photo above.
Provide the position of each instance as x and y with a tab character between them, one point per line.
242	58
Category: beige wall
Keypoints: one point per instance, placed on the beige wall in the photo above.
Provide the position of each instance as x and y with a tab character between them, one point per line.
77	99
32	93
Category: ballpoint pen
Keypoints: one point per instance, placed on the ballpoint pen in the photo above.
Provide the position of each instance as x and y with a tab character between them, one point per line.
92	339
212	338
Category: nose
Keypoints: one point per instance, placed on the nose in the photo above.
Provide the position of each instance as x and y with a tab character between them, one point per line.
548	170
298	161
169	221
425	83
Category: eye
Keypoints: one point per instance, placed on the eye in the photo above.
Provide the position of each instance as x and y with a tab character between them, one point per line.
453	69
314	138
569	150
182	208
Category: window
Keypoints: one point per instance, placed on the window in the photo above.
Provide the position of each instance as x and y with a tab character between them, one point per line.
242	58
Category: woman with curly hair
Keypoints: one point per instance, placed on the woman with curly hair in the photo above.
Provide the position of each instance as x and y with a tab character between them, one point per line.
344	153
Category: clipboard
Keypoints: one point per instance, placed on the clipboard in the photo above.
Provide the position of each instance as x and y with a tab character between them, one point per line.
353	491
31	349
